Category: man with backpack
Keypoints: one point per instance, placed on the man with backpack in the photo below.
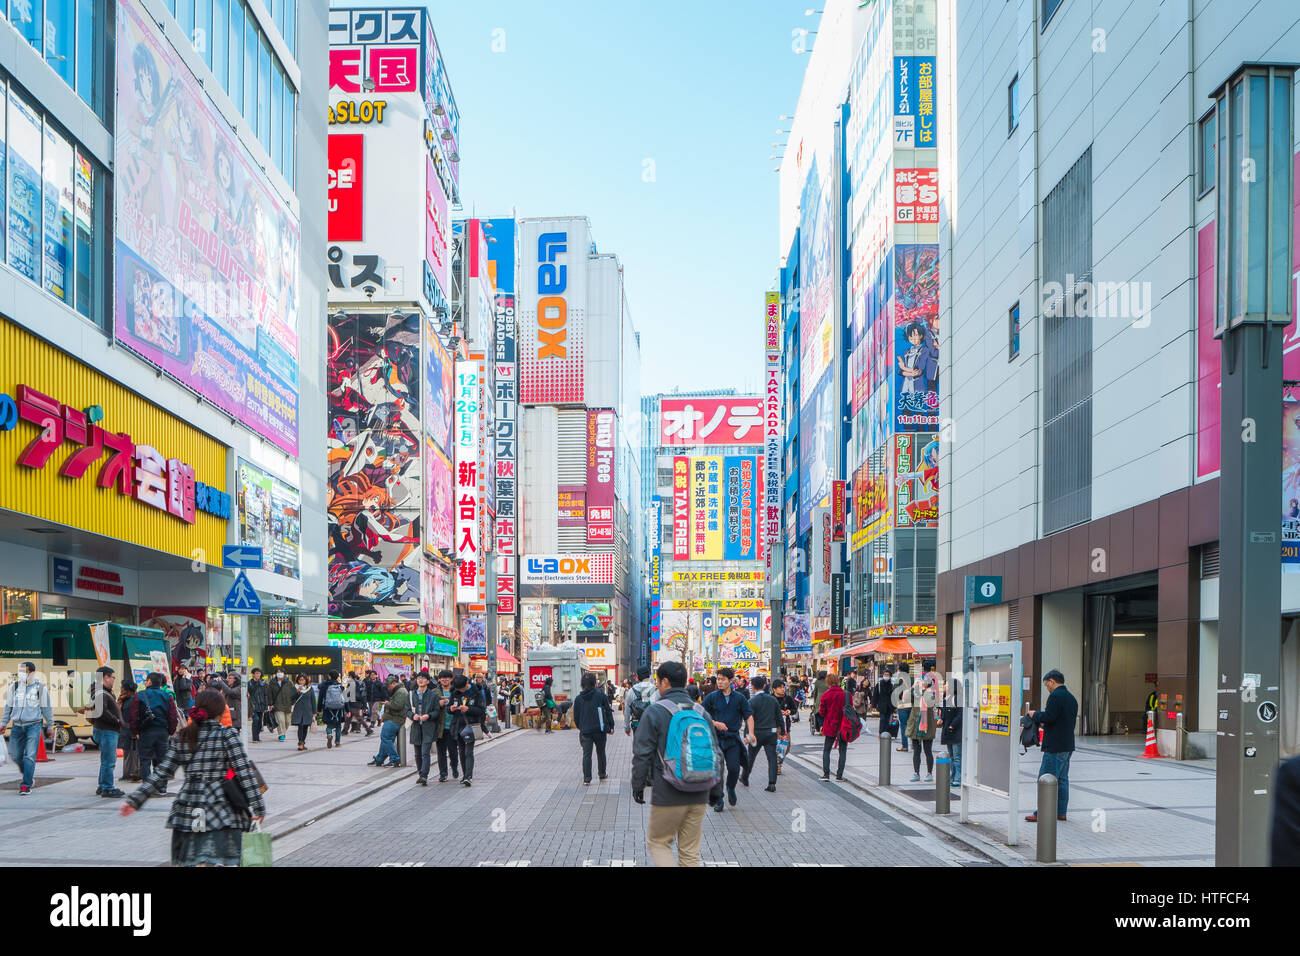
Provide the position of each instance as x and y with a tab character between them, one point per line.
680	768
641	695
729	712
769	727
153	717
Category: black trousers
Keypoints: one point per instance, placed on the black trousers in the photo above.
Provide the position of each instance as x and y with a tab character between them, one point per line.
916	755
256	724
447	748
466	750
731	751
302	733
422	747
153	747
827	744
588	741
766	743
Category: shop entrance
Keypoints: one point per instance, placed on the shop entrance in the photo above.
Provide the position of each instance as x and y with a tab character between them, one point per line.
1119	659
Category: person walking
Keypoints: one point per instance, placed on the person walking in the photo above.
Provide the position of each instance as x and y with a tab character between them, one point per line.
376	694
442	735
830	708
130	753
789	713
545	705
950	723
1057	720
359	704
730	713
303	714
27	709
922	721
882	698
638	697
281	694
485	691
819	688
333	709
594	718
769	727
233	701
207	827
467	710
153	719
426	721
394	720
183	687
106	726
257	703
676	816
903	682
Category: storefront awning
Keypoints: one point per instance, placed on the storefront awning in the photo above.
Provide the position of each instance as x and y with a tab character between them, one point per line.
888	645
850	651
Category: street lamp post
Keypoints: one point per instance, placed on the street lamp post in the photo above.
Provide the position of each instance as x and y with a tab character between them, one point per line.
1253	255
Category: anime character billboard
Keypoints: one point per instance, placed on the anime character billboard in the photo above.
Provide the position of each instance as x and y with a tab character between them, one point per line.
916	337
916	481
373	490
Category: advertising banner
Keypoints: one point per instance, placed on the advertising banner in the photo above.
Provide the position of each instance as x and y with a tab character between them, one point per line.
837	510
552	310
681	508
586	617
465	427
474	635
916	337
719	576
270	518
816	433
600	475
915	114
347	185
739	633
582	576
916	196
724	604
706	508
734	420
815	281
916	481
373	495
439	512
206	254
436	607
501	265
1291	481
437	229
438	374
740	513
656	571
837	603
769	517
797	636
572	506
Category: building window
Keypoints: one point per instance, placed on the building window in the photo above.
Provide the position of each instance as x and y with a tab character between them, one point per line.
203	38
27	19
60	34
1013	332
264	93
24	186
236	87
1013	104
250	69
221	42
1206	166
1049	8
58	251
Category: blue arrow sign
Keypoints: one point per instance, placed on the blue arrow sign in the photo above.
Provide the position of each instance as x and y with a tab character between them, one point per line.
242	598
238	556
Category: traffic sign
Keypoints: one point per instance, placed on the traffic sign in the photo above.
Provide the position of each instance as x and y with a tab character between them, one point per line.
238	556
985	588
243	598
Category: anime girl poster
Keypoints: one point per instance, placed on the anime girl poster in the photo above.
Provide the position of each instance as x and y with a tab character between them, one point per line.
916	337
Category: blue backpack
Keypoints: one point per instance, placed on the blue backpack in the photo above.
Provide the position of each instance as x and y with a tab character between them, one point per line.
692	758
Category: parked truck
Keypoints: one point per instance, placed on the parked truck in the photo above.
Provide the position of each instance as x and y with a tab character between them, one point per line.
564	665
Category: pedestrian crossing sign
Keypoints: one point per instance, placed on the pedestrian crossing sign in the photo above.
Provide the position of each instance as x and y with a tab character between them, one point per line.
243	598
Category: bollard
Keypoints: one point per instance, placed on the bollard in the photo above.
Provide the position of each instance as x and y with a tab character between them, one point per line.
886	758
1180	738
1047	792
942	784
401	747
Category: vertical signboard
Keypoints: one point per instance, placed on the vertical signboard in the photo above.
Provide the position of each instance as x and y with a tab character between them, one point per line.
656	570
346	187
837	603
837	510
507	452
916	337
681	508
437	229
466	428
552	310
916	480
600	475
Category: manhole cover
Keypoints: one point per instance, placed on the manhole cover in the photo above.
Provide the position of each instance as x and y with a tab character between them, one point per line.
40	782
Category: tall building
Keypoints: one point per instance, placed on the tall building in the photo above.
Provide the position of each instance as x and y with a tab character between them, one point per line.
156	327
580	487
859	213
1078	316
704	455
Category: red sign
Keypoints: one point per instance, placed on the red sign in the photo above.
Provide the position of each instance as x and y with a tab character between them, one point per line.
734	420
572	505
916	195
537	677
681	508
600	474
393	69
346	186
837	511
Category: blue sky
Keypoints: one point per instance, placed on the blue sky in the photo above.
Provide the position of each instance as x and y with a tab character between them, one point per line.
586	91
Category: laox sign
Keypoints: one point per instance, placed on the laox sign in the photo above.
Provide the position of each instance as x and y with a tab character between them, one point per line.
552	307
559	565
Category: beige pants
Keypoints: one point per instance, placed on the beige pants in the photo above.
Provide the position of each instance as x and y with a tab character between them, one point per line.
685	825
282	721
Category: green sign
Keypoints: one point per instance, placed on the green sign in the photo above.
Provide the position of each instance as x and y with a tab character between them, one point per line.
412	644
444	646
984	588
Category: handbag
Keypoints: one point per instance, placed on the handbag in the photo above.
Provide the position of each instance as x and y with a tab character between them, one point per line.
471	733
255	847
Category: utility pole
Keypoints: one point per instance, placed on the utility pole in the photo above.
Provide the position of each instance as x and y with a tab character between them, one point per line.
1253	292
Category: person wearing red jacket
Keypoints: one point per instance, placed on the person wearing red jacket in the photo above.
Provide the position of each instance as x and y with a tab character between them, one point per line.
830	708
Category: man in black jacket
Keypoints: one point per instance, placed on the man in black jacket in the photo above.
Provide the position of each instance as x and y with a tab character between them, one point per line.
426	715
595	721
376	694
1057	718
674	814
769	727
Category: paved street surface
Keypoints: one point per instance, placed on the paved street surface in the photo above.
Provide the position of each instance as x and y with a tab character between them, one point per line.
528	808
1124	810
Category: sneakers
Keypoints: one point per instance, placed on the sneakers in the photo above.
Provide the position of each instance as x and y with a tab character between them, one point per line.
442	779
603	778
113	793
282	738
1033	817
916	778
744	780
586	783
467	782
826	776
423	781
717	807
375	762
24	791
929	778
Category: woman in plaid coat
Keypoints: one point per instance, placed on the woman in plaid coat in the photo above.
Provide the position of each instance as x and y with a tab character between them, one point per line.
207	830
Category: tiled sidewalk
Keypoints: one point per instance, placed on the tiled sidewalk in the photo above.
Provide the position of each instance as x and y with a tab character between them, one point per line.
62	822
1124	810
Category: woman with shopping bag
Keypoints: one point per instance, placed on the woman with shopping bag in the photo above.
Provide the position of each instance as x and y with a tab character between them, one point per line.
221	798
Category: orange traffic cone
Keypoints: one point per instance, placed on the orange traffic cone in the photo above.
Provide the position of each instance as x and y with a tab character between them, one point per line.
41	755
119	752
1150	750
